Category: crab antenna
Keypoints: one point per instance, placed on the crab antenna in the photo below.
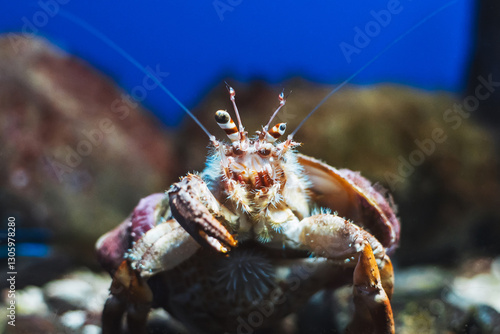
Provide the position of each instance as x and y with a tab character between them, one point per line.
232	94
226	123
85	25
282	103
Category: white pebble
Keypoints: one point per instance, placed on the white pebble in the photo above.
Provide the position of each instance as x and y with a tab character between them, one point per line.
30	301
73	319
91	329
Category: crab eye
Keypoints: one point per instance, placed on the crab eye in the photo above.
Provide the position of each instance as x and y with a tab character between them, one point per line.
222	117
282	128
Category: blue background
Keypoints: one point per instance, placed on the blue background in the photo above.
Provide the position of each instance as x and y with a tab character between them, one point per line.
200	45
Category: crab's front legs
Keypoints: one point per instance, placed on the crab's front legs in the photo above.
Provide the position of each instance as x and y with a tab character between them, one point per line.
200	214
160	249
333	237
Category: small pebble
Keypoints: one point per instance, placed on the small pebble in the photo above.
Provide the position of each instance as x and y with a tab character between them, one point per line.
91	329
30	301
73	319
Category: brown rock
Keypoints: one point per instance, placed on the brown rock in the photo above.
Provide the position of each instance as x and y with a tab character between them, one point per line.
75	157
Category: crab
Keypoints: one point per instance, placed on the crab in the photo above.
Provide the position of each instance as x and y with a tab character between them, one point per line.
238	247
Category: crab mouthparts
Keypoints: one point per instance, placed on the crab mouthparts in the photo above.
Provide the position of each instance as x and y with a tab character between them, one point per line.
256	178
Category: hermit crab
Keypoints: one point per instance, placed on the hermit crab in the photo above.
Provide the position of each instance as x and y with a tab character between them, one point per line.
238	247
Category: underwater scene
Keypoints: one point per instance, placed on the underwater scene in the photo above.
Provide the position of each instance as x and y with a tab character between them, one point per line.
238	167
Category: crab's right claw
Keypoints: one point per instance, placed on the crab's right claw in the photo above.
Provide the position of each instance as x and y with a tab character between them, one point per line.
190	201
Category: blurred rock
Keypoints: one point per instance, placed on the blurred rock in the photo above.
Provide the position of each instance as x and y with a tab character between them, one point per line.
76	152
34	325
420	281
448	192
39	270
91	329
428	300
68	294
30	301
71	304
483	288
81	290
73	320
417	303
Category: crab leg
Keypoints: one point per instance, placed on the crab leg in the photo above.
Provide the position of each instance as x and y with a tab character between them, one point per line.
335	238
127	288
112	314
161	248
373	308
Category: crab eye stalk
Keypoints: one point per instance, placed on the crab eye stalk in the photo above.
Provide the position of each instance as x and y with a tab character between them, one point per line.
226	123
276	131
232	94
282	99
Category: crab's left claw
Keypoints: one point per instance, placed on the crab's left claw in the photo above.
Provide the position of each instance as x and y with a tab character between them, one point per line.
194	208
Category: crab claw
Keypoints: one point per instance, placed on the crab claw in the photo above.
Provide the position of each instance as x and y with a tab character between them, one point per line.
371	298
194	207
